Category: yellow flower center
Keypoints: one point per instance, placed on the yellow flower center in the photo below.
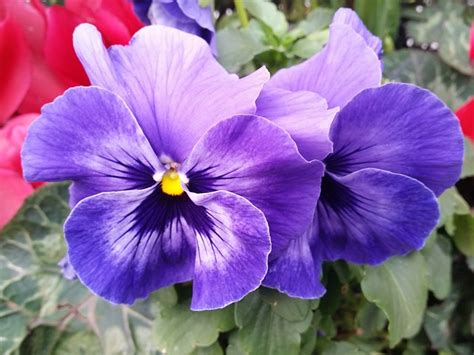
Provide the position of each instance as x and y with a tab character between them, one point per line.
171	183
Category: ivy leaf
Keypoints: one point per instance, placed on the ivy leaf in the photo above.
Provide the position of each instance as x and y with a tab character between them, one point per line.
267	12
178	330
400	288
451	203
464	234
270	323
437	253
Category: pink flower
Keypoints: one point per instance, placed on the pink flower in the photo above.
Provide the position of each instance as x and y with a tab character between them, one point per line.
471	44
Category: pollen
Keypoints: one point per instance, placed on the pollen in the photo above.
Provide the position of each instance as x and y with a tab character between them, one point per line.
171	183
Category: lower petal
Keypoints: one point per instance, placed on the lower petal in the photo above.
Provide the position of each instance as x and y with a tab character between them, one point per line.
232	254
371	215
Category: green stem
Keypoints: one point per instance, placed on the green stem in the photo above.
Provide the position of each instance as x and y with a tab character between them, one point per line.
240	8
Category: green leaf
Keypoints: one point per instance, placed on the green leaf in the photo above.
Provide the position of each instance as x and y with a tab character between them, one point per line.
400	288
41	341
270	323
342	348
178	330
464	234
436	324
306	47
267	12
370	319
468	165
381	17
238	46
317	20
427	70
78	343
437	253
451	203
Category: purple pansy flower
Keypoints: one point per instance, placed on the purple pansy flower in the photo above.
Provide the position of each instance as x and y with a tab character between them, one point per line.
185	15
385	167
174	178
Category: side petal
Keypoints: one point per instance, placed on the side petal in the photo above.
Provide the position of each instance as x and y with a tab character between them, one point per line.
349	17
398	128
124	245
345	67
304	115
232	254
256	159
297	271
171	82
89	135
371	215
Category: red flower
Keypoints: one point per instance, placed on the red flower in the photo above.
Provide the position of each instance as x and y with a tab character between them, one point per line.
466	117
471	44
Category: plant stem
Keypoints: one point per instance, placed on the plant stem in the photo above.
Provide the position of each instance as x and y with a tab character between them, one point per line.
240	8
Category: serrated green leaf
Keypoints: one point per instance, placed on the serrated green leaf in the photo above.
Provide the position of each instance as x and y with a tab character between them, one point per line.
267	12
437	253
427	70
178	330
270	323
342	348
451	203
400	288
464	234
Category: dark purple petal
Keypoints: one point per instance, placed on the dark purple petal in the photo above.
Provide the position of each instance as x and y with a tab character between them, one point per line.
88	135
254	158
345	67
349	17
304	115
232	253
124	245
141	8
171	82
371	215
399	128
297	271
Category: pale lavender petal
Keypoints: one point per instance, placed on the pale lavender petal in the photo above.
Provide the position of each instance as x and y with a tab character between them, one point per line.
232	253
171	82
304	115
256	159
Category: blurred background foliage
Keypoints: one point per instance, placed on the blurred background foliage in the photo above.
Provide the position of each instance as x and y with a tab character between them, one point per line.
422	303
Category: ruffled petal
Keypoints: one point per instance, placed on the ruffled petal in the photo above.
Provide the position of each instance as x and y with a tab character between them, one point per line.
89	135
171	82
398	128
254	158
232	252
371	215
124	245
297	271
349	17
345	67
304	115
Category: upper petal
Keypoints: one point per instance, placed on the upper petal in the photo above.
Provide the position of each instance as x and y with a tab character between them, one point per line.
398	128
343	68
171	82
254	158
232	253
89	135
371	215
304	115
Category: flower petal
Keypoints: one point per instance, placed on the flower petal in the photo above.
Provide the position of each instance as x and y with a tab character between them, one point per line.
298	270
124	245
345	67
90	136
349	17
398	128
232	254
304	115
255	159
371	215
171	82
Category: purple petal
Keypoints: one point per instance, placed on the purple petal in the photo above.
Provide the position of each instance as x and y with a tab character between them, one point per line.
231	256
141	9
371	215
399	128
349	17
304	115
297	271
259	161
88	135
345	67
171	82
124	245
66	268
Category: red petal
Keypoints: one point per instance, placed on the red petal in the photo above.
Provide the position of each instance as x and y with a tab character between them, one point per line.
466	117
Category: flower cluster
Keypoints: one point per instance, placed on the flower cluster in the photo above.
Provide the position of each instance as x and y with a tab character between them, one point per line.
184	172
